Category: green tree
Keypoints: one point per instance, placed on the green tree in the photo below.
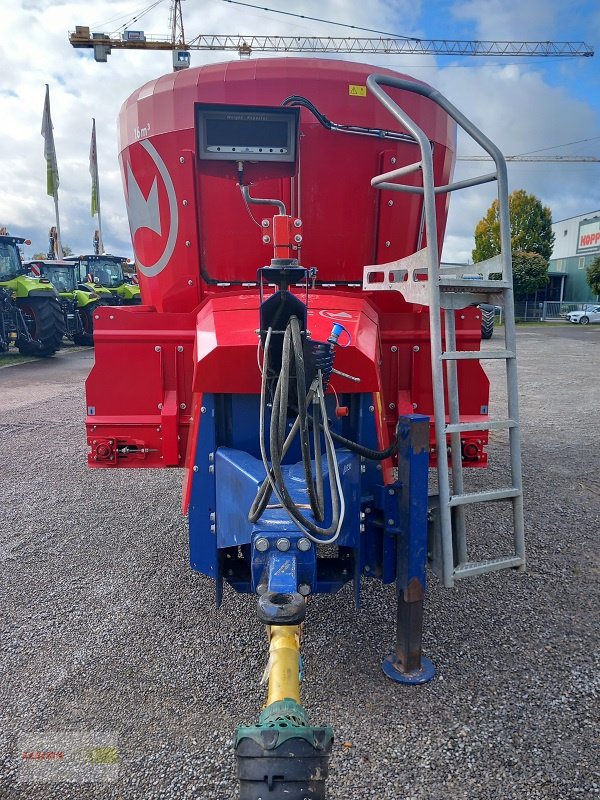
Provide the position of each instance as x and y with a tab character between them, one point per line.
530	228
530	273
593	276
67	251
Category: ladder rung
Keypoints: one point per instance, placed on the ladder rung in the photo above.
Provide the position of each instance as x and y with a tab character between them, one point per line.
483	425
476	355
483	497
490	565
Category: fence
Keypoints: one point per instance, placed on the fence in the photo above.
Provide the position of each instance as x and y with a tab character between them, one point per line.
555	311
548	311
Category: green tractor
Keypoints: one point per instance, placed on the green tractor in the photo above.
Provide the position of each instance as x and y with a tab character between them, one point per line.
105	276
32	317
78	305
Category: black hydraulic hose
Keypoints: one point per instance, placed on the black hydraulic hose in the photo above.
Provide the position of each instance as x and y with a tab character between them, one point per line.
379	133
359	449
298	351
274	481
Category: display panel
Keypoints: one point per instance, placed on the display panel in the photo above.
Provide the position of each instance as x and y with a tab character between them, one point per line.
246	133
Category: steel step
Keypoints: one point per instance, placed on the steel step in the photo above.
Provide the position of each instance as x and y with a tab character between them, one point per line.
471	568
483	497
476	355
484	425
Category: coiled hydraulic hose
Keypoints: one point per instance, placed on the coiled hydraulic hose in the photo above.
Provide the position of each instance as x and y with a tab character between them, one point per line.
292	352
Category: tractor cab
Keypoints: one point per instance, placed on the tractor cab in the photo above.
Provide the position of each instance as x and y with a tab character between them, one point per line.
61	274
10	258
30	312
105	275
77	304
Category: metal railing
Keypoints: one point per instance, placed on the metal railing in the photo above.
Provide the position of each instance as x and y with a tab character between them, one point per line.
555	310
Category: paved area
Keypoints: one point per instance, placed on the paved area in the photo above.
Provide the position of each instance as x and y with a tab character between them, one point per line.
104	628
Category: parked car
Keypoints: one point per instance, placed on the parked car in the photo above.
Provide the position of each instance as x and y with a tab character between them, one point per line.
589	314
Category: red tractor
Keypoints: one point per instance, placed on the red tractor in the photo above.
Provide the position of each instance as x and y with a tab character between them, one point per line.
304	356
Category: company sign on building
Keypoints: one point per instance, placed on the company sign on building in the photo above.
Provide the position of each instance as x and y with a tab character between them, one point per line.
588	240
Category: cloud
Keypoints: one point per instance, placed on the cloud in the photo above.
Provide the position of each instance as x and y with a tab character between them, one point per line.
522	107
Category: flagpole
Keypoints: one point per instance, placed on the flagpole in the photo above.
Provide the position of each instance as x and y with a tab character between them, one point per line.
52	180
59	250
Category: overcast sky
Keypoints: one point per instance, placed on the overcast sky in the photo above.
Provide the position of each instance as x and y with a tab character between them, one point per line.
523	105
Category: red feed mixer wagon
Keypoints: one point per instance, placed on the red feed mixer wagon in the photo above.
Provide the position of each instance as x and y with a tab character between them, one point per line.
303	354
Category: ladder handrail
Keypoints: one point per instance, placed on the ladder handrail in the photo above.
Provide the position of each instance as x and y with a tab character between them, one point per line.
375	82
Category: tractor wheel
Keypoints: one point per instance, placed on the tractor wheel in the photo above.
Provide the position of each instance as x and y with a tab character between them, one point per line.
487	323
86	315
45	323
584	320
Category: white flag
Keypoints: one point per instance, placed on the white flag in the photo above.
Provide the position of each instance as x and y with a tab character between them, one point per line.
49	149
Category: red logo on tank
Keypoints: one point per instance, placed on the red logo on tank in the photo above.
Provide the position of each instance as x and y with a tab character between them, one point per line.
151	208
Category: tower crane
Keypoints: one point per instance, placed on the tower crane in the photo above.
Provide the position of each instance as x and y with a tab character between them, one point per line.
104	43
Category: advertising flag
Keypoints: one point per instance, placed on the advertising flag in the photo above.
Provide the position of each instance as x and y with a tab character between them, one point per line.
94	171
49	149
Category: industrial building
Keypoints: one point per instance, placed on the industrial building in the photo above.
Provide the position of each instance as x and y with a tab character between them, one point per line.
576	245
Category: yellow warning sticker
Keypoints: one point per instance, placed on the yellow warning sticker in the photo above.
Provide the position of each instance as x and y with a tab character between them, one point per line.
357	91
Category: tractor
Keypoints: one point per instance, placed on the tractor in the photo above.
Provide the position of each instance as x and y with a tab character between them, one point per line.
104	275
32	317
307	358
78	306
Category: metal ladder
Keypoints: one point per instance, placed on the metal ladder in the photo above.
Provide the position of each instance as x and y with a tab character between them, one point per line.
421	279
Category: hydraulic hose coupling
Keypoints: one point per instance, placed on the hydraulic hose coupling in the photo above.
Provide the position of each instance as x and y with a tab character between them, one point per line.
335	334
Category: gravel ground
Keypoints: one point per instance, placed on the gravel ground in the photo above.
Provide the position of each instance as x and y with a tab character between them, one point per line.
105	628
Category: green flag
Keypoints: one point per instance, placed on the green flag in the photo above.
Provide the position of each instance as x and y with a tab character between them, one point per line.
49	149
94	171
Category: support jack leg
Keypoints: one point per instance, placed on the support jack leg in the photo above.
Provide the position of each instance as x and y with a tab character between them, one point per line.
407	664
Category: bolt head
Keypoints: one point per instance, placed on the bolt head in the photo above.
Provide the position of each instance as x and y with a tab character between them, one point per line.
196	467
393	159
160	405
283	544
297	223
304	544
265	223
182	406
414	405
416	348
190	283
203	410
185	202
261	544
391	522
181	160
297	238
392	406
387	244
180	348
157	348
304	589
266	239
394	349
